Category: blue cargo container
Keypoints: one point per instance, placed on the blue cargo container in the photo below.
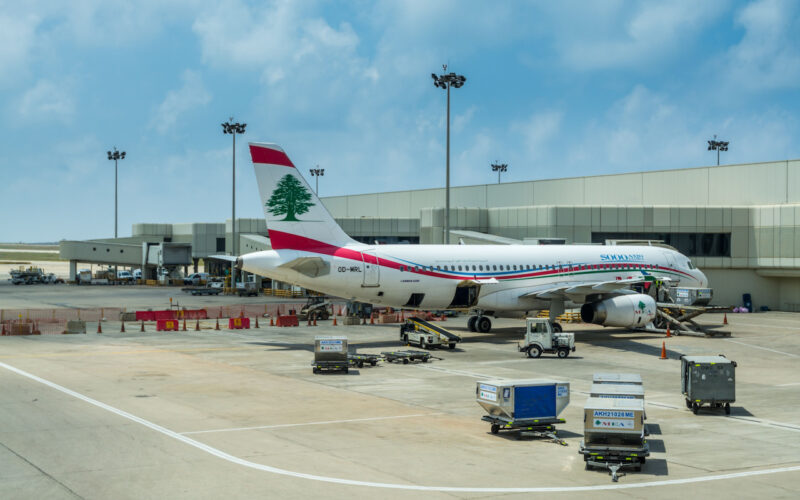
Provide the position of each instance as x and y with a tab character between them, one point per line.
523	399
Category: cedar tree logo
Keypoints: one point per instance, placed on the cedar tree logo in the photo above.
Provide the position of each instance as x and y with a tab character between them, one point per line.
290	198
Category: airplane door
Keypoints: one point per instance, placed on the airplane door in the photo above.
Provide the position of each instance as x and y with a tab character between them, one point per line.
371	268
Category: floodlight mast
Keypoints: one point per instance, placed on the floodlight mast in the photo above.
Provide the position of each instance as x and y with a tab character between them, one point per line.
715	145
445	81
499	168
116	156
317	173
233	128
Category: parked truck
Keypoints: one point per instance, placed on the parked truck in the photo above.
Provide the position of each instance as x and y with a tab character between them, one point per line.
540	337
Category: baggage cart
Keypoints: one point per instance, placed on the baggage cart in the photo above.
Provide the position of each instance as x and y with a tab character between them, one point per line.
359	360
330	354
614	436
617	378
407	357
528	405
708	380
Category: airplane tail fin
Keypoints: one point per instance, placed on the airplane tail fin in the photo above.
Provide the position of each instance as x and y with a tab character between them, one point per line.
296	218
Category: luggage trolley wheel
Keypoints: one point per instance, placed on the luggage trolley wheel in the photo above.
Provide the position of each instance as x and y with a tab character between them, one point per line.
360	363
727	408
315	369
405	361
495	428
452	346
695	407
373	362
688	404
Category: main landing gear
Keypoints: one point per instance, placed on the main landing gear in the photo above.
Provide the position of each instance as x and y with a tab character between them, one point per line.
480	324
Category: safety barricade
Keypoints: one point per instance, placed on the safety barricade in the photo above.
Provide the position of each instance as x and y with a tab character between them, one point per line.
289	320
171	314
238	323
167	325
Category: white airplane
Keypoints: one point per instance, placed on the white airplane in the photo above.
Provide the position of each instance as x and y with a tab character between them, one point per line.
310	250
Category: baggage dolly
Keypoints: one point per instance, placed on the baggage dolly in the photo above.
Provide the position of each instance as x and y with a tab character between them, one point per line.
360	360
540	428
329	366
406	357
614	458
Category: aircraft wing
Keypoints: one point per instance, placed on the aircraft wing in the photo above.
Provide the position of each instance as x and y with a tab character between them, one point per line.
577	291
310	266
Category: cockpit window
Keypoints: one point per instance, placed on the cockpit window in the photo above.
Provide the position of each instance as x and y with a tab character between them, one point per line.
689	264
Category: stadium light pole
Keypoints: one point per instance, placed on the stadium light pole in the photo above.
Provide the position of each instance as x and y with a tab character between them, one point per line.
317	173
715	145
444	82
499	168
116	156
233	128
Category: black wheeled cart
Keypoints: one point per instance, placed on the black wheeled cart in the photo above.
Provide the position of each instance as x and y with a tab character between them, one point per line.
407	357
544	428
360	360
614	458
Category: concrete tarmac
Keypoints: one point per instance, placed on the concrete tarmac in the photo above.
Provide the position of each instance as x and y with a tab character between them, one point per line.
239	414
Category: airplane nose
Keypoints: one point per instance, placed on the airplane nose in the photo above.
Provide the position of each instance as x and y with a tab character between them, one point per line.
703	281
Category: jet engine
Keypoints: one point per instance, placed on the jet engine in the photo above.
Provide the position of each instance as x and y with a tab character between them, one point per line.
630	311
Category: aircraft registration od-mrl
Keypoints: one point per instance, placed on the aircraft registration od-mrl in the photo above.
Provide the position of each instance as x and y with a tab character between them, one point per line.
310	250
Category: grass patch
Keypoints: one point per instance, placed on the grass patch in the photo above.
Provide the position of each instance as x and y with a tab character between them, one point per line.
27	246
18	256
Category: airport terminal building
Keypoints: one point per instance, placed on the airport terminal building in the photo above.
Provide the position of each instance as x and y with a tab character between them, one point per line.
738	223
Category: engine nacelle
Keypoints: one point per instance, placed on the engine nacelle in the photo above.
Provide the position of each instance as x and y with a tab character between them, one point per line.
630	311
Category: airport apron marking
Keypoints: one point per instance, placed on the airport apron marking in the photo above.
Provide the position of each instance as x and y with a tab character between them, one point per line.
352	482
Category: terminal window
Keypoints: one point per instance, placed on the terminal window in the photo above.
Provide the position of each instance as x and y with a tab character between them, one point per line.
689	244
220	244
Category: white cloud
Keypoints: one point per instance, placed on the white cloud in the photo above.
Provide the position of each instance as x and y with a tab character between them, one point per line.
193	94
617	34
768	56
46	102
17	35
538	131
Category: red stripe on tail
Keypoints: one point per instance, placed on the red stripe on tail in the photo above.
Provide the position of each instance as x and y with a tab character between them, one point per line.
261	154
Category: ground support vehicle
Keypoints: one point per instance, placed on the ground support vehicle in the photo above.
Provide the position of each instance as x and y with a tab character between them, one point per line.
614	436
359	360
202	290
248	289
708	380
315	308
426	335
540	337
406	357
540	428
330	354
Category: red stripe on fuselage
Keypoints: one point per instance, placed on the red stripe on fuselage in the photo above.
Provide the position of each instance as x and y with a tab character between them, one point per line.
262	154
281	240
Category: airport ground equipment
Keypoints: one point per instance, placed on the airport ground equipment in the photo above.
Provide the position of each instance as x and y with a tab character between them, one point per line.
617	378
619	391
691	296
614	435
540	337
523	405
202	290
680	319
359	360
708	380
316	308
249	289
330	354
407	357
426	335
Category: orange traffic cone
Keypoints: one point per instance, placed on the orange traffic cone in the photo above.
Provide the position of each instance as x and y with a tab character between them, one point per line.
271	321
334	321
669	334
4	329
122	327
99	328
184	324
340	311
663	350
371	319
315	321
725	319
217	327
256	321
142	330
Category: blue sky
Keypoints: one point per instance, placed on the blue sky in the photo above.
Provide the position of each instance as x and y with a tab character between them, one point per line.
554	89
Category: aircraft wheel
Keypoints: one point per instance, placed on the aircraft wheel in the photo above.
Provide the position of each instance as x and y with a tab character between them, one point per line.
471	323
483	324
557	327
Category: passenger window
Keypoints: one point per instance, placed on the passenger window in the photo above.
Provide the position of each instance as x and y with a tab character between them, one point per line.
480	268
459	268
494	268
